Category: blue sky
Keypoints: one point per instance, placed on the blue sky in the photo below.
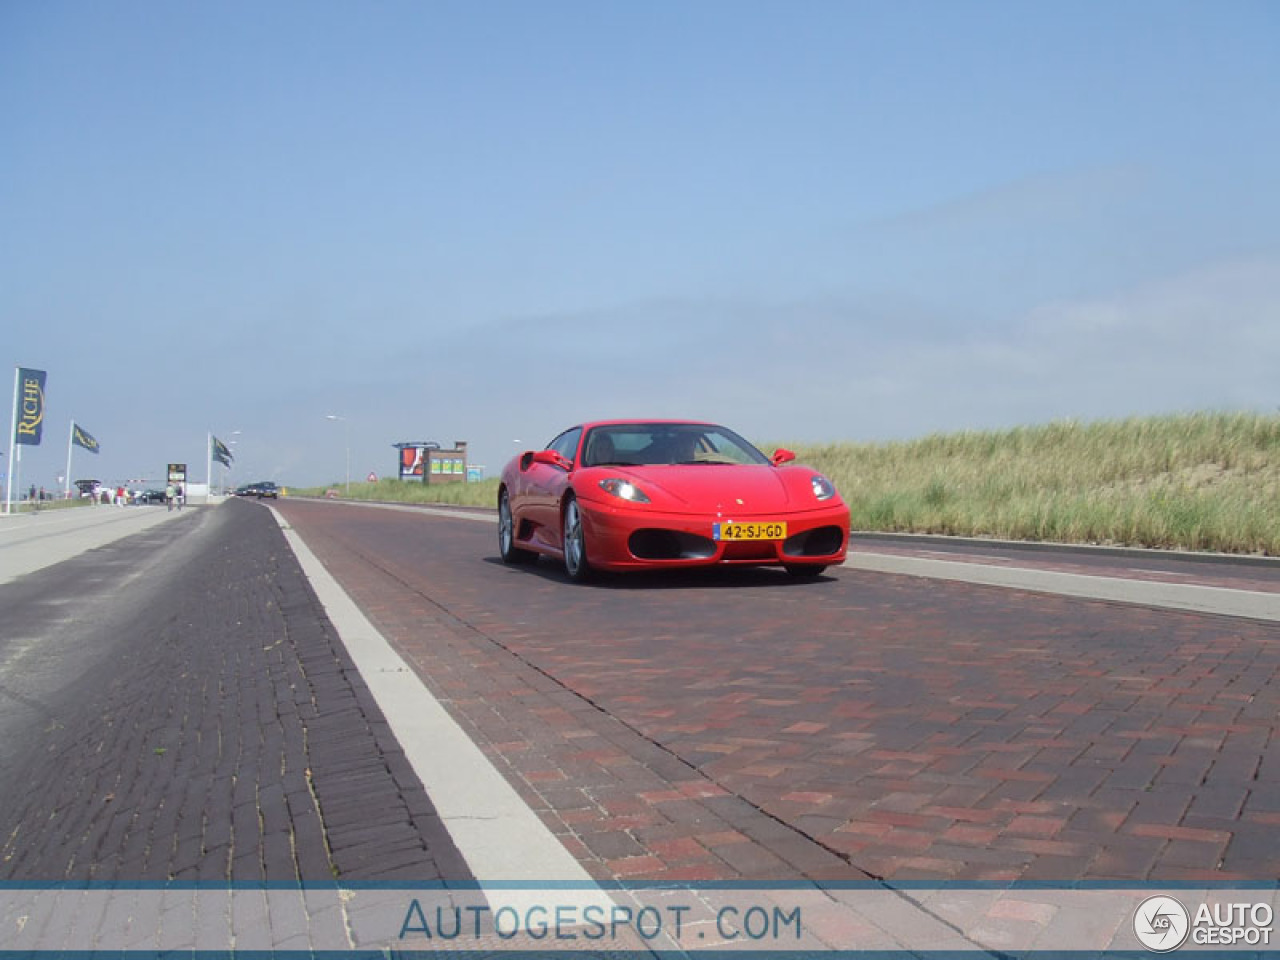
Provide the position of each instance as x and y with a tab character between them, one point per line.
813	221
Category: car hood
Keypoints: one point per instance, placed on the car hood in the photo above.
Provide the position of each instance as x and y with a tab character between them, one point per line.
721	489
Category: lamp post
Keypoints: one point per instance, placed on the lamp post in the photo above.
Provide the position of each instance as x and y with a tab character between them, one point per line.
226	467
347	424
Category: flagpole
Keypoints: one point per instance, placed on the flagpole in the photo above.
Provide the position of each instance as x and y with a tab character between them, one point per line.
66	488
15	450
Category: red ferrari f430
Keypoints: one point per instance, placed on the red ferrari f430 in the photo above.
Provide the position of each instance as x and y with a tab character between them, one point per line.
647	494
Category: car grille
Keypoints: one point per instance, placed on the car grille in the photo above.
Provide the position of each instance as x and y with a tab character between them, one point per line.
818	542
669	545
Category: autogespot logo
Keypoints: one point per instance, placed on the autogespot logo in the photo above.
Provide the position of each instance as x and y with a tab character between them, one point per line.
1161	924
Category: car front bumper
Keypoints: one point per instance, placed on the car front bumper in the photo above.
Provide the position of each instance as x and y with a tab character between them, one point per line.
635	539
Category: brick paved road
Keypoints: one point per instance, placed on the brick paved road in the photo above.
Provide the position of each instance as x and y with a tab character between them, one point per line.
742	724
177	707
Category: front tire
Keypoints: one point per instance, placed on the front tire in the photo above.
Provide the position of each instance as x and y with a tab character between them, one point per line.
507	548
574	540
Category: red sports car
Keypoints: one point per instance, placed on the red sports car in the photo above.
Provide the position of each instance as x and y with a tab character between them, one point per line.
643	494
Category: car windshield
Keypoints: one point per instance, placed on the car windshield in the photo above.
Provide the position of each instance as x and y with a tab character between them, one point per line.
655	444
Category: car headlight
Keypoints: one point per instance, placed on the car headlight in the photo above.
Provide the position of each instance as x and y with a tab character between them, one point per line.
623	489
822	488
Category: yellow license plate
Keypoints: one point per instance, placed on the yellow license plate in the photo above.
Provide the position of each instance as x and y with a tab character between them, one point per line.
770	530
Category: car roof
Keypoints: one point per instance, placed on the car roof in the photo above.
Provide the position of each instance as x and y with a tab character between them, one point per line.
639	421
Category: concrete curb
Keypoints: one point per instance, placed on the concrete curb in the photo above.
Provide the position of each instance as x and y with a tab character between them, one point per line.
1223	601
1089	549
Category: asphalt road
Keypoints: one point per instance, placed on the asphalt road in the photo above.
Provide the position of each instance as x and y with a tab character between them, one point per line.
742	724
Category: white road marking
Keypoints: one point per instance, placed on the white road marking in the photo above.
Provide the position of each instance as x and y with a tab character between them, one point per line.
500	837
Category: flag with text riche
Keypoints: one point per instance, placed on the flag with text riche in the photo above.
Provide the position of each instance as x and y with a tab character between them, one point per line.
29	415
83	438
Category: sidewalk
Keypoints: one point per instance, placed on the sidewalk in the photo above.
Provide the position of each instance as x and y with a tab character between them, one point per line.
1197	593
33	541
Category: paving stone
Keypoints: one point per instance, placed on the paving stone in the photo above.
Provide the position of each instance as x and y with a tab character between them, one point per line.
903	691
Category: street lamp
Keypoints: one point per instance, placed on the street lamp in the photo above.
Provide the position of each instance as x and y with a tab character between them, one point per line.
344	420
226	467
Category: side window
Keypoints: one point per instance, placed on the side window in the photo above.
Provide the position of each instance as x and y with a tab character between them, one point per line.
567	443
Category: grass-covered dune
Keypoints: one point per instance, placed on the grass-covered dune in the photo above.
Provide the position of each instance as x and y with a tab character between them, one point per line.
394	490
1203	481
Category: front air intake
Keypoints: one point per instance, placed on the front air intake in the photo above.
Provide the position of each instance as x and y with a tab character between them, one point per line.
669	545
819	542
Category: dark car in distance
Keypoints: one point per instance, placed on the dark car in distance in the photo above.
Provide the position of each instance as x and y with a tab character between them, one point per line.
149	496
264	488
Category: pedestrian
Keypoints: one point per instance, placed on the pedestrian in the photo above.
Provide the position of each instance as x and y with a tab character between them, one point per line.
120	498
170	494
182	496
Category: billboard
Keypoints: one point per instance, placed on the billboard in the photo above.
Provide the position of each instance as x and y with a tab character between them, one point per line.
412	461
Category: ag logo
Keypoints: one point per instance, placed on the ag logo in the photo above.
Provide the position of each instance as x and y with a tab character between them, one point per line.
1161	924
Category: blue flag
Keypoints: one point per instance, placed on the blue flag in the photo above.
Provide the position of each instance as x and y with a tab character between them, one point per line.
221	452
30	412
82	438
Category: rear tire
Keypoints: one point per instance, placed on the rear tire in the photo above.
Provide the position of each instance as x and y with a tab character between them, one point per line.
574	540
805	571
507	548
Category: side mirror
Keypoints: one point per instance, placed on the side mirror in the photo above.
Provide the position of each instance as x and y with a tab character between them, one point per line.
782	456
552	459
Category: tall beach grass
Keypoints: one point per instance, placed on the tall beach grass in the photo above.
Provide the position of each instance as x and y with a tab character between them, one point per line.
1202	481
395	490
